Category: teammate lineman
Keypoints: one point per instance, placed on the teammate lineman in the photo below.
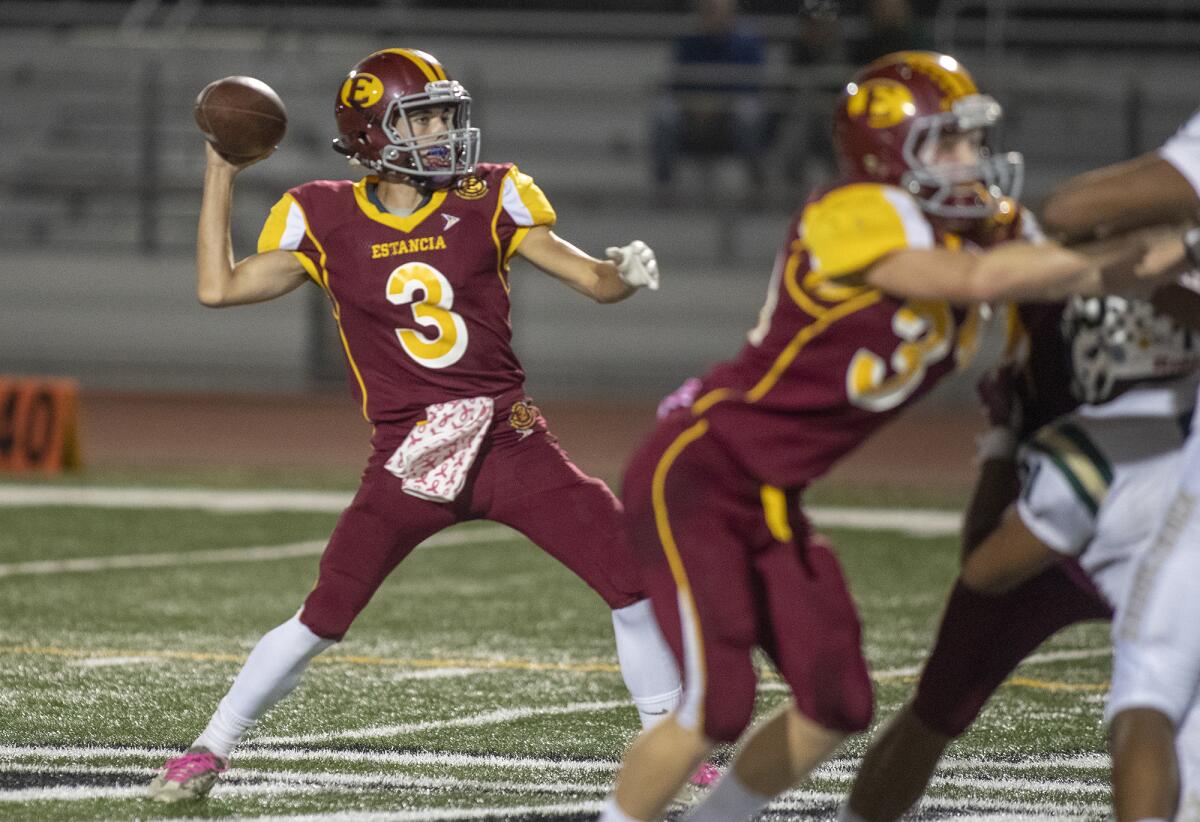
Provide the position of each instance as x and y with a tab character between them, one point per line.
983	638
866	311
414	260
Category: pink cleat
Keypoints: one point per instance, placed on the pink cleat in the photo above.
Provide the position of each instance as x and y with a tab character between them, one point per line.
190	776
705	776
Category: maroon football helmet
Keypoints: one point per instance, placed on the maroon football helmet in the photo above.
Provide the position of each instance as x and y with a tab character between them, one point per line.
373	108
891	118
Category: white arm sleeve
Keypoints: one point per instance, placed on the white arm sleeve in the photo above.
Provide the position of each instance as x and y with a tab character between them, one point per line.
1182	150
1051	508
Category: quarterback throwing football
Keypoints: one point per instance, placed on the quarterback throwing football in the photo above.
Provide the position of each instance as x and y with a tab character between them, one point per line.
414	260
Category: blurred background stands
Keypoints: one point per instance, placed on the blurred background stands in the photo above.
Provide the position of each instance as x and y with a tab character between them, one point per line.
100	177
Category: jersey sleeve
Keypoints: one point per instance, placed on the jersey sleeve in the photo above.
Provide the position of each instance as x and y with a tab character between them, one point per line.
287	229
522	206
1182	150
1064	481
853	226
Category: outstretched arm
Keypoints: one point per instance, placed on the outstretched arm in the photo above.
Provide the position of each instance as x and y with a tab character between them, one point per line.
605	281
1144	191
219	280
1014	271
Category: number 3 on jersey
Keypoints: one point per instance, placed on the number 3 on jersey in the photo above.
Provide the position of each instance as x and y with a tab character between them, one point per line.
926	331
432	311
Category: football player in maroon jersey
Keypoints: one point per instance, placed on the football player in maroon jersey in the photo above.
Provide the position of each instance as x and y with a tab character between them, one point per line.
980	641
873	299
414	260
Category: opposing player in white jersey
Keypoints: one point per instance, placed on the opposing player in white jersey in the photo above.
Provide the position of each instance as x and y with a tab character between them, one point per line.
1093	480
1156	636
1157	669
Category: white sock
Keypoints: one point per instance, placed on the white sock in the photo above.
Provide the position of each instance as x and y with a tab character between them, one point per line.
1152	819
611	812
647	664
271	671
729	801
847	815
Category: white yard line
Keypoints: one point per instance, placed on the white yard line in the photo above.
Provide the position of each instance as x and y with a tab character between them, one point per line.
258	553
438	815
280	783
1034	659
917	522
327	780
490	718
15	495
439	673
841	773
292	782
802	799
1066	655
1088	762
8	753
113	661
252	752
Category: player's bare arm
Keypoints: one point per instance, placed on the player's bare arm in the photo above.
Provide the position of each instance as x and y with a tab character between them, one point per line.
605	281
1009	556
1015	271
219	280
1113	199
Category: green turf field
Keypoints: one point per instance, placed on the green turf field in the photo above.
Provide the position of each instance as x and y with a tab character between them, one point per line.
480	684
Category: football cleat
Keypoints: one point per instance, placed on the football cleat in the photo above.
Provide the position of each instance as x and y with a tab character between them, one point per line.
705	776
190	776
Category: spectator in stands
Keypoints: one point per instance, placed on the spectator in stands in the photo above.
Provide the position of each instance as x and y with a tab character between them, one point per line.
714	102
817	55
891	26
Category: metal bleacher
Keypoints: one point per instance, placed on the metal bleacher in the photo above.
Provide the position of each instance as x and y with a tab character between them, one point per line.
100	147
101	154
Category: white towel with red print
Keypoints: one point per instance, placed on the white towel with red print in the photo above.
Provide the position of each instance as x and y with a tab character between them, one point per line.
438	452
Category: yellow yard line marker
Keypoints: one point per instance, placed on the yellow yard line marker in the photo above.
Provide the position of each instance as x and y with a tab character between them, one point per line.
333	659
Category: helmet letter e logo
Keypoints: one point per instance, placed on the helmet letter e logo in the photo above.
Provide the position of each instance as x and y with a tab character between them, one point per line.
362	90
885	103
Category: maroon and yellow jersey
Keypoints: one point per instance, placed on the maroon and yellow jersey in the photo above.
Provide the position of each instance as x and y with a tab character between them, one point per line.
421	300
832	358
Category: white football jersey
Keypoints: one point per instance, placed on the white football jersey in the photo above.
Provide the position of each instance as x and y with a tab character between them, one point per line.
1096	483
1182	150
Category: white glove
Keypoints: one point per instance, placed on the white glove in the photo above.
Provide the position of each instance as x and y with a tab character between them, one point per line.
636	264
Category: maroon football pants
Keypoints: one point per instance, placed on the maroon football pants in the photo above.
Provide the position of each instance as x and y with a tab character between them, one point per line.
724	579
527	483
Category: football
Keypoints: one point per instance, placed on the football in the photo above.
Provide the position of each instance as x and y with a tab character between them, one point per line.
242	117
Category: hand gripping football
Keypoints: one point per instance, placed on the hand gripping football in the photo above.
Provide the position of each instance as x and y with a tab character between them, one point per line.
242	117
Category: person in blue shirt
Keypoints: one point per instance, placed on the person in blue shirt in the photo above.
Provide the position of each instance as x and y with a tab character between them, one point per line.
713	104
